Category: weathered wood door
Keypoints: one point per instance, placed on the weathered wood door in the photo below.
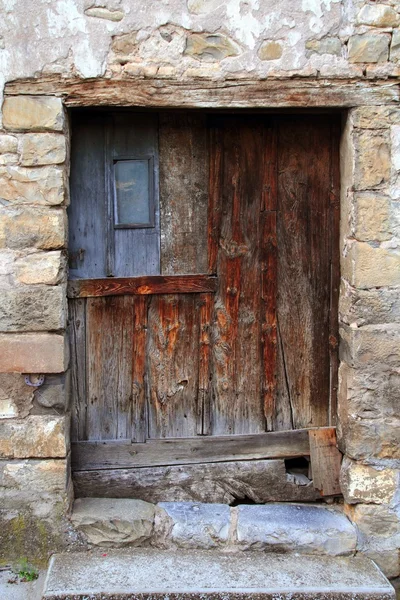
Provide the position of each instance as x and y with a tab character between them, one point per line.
203	292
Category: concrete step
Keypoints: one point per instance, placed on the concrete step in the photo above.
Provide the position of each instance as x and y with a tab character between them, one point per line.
150	574
301	528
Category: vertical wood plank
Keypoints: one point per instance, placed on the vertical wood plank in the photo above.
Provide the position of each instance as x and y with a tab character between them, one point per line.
269	277
139	417
325	460
215	195
206	302
77	337
237	405
173	365
304	266
335	272
183	193
110	334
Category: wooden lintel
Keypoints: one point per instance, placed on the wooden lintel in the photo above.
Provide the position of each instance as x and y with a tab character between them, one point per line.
87	456
205	93
146	285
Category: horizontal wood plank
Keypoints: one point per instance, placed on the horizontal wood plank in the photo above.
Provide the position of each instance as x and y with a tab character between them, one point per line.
256	481
146	285
206	93
88	456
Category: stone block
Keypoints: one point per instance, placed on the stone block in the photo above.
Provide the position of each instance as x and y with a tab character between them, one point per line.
368	48
378	15
8	144
32	476
125	45
270	50
367	266
210	46
376	346
36	436
372	159
301	528
364	439
42	149
192	524
327	45
387	560
374	117
41	267
33	353
33	113
395	46
43	186
368	307
377	525
395	138
376	218
201	7
15	396
368	484
54	393
101	12
113	522
27	227
37	308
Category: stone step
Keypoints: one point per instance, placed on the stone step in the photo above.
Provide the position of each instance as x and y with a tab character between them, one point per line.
144	573
301	528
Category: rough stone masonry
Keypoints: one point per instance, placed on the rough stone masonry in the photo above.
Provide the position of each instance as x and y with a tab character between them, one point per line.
349	41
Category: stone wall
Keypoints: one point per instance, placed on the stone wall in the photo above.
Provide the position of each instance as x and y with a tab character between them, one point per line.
322	40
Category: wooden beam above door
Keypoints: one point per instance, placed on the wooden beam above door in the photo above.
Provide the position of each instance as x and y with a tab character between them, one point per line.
146	285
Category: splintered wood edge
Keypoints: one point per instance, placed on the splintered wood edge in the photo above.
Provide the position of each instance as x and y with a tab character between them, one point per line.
146	285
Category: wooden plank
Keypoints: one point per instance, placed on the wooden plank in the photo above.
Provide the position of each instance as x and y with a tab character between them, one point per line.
139	428
335	272
215	194
110	331
325	461
206	302
137	251
146	285
269	277
183	192
284	444
77	338
202	93
173	365
257	481
304	266
237	354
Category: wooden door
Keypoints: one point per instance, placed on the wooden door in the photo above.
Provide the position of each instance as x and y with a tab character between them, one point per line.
206	334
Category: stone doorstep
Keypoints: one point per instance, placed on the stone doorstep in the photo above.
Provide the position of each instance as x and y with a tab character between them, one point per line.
300	528
159	574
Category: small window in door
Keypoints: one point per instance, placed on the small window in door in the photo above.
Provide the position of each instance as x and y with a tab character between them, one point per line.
134	193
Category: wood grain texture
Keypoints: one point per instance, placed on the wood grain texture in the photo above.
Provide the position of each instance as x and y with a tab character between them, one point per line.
146	285
206	307
203	93
139	392
173	365
325	461
77	337
304	267
110	331
236	332
183	192
88	456
256	481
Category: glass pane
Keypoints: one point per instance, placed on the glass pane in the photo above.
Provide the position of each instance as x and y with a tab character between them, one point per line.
132	192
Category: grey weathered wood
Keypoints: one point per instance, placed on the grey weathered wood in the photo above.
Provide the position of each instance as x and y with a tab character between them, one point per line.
77	338
137	251
257	481
173	365
86	213
288	444
189	93
325	461
183	193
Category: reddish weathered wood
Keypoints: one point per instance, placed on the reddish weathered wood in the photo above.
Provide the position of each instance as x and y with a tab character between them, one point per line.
269	276
237	360
139	429
173	365
110	332
200	449
206	302
325	461
335	272
304	267
146	285
183	192
202	93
